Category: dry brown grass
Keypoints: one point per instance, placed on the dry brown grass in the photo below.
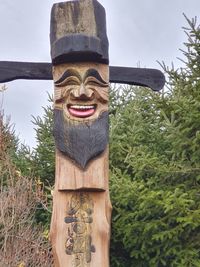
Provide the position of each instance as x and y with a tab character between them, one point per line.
22	242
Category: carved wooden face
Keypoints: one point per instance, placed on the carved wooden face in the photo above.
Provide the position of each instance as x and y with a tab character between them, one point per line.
81	90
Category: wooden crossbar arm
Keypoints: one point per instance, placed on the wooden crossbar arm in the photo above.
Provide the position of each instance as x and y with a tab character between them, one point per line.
13	70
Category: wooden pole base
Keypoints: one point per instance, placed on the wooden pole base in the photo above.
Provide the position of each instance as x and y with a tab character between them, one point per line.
80	228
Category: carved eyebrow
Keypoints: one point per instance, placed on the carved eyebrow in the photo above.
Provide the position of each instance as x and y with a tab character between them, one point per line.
94	73
68	73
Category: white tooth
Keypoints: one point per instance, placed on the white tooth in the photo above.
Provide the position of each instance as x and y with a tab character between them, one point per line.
82	107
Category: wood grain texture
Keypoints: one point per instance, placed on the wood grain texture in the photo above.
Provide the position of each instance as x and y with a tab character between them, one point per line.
70	177
80	225
79	220
11	70
78	32
151	78
90	247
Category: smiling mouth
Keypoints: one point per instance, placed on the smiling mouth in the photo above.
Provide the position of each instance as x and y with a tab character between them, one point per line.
81	111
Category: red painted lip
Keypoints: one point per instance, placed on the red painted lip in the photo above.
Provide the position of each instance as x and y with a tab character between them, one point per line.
82	111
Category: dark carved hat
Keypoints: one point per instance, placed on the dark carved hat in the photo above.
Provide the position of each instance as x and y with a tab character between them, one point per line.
78	32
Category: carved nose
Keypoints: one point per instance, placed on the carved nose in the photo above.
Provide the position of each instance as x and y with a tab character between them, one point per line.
82	93
82	90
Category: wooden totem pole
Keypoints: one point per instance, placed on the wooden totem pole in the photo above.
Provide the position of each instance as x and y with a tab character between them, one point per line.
80	226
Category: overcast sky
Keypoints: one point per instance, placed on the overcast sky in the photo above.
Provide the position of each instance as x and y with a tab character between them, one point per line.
140	33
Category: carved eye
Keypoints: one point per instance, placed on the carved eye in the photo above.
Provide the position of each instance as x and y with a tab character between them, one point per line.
92	81
72	80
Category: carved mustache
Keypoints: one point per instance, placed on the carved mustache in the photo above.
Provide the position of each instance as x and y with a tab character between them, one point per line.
77	95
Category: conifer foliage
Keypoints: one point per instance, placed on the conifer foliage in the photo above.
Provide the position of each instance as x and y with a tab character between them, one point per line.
155	170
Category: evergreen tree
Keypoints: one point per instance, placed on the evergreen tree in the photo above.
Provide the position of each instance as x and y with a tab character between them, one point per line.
44	154
155	167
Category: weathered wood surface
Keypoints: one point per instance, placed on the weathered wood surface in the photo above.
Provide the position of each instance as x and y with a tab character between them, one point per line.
78	32
11	70
80	228
71	177
151	78
81	218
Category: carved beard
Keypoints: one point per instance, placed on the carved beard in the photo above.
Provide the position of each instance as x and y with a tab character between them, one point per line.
81	142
